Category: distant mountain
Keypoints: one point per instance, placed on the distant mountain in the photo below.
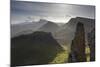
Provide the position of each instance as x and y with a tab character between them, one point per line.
26	27
66	33
49	27
60	24
35	48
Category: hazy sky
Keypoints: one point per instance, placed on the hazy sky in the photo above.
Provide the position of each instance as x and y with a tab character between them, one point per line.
61	13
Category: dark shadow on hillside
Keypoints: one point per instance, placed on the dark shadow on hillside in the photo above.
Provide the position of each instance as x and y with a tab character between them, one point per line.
34	49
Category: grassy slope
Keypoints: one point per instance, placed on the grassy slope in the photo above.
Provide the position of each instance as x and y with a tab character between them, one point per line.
62	57
87	53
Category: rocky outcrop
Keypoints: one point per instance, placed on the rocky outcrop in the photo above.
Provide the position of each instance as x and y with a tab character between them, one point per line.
68	29
78	45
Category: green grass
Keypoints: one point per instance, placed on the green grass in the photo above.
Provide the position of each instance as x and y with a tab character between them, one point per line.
87	51
60	58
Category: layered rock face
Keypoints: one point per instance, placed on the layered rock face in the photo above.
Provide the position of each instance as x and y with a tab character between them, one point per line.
91	43
78	45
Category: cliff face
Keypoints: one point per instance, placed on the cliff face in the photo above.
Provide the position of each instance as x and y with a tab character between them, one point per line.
35	48
91	43
68	30
78	45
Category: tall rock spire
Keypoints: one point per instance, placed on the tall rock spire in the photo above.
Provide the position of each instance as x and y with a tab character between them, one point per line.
78	45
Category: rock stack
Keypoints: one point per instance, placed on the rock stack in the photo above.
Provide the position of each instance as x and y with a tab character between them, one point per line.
78	45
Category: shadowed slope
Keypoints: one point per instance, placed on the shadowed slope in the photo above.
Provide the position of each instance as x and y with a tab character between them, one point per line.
35	48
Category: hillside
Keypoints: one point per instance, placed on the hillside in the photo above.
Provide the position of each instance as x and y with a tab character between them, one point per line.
49	27
35	48
26	27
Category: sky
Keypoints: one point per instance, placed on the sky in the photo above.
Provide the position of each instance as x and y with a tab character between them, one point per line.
22	11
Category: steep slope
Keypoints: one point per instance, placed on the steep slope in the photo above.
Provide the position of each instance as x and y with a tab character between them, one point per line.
49	27
35	48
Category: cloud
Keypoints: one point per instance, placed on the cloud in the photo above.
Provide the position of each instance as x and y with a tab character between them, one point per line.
20	8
